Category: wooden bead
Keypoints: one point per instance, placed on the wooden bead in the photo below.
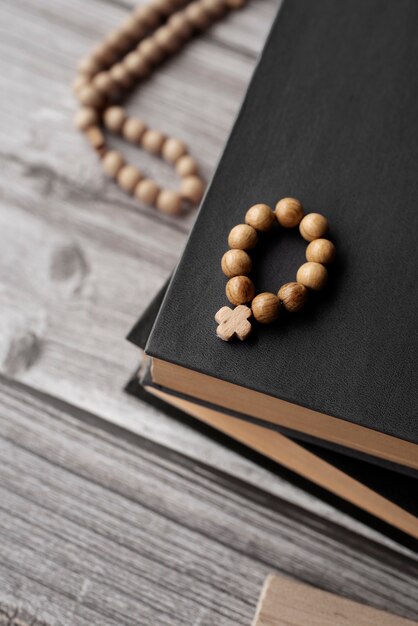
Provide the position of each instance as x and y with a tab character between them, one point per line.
89	96
114	118
313	226
121	75
147	191
186	166
152	140
167	39
128	178
104	83
236	263
265	308
169	201
320	251
112	163
133	29
104	55
165	7
192	188
136	64
95	138
116	40
215	8
133	130
240	290
147	15
173	149
150	51
180	26
289	212
242	237
293	296
197	16
260	217
86	117
79	82
312	275
89	66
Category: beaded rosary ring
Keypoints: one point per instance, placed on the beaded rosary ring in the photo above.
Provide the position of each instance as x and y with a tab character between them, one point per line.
129	54
236	264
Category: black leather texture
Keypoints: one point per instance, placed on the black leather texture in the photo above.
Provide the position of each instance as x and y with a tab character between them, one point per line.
331	118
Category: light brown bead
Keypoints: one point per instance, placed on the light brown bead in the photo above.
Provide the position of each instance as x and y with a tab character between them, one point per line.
79	82
165	7
116	40
173	149
313	226
89	96
265	307
167	39
132	29
320	251
260	217
152	140
192	188
136	64
293	296
121	75
289	212
147	15
112	163
147	191
215	8
133	130
186	166
89	66
86	117
104	55
312	275
104	83
114	118
240	290
128	178
150	51
95	137
180	26
242	237
236	263
169	201
197	16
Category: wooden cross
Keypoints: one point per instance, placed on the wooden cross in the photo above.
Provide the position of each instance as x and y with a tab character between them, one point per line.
233	322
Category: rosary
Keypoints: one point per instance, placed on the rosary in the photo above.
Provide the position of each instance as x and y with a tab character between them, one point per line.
126	56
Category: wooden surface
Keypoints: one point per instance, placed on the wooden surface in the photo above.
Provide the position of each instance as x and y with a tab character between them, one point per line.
283	601
99	526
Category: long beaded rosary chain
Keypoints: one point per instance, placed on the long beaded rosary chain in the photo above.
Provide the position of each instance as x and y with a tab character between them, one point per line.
127	55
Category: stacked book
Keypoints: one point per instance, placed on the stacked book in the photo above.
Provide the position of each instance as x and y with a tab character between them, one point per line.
330	117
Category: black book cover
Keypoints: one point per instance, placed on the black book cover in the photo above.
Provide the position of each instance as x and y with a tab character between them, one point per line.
395	487
331	118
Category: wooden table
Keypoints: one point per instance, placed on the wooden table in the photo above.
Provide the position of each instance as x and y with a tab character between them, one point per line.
112	513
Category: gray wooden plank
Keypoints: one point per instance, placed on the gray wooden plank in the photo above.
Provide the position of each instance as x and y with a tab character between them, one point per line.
102	526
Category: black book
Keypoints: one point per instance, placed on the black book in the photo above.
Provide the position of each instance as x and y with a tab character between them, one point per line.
377	496
330	117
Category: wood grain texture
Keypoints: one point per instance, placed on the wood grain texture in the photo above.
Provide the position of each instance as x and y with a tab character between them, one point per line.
283	601
99	526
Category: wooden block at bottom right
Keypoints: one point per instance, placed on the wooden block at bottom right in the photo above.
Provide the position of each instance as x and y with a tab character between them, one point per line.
286	602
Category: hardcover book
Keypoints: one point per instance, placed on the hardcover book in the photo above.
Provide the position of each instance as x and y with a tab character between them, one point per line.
330	118
381	497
